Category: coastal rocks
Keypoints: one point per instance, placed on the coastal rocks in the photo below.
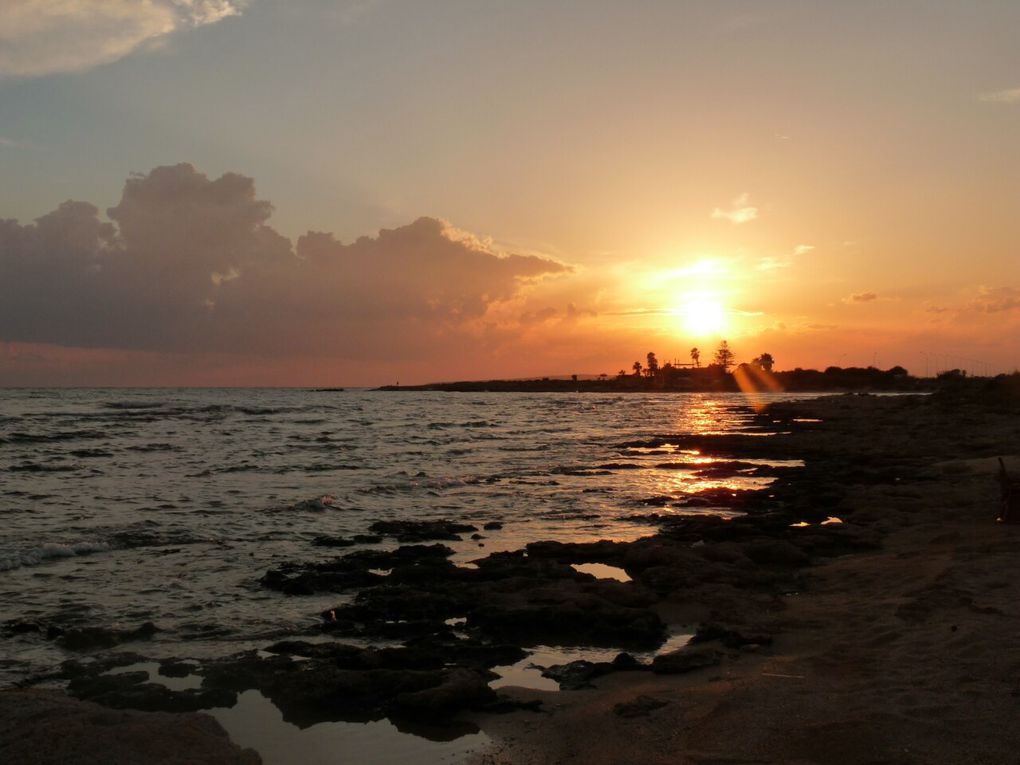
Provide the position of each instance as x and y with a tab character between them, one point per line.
324	540
314	505
776	552
568	618
421	531
687	659
576	675
354	684
47	726
91	638
355	570
129	690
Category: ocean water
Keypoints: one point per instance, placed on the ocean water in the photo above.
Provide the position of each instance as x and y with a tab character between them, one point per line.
119	507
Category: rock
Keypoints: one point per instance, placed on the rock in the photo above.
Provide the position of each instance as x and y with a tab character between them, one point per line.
576	675
492	526
41	726
776	552
324	540
89	638
729	637
459	689
420	531
176	668
639	707
686	659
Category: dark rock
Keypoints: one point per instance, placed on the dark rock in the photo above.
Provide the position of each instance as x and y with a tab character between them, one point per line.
176	668
459	689
420	531
578	674
367	539
324	540
685	660
90	638
48	727
776	552
728	637
492	526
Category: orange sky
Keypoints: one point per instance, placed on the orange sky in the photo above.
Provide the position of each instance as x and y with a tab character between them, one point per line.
561	188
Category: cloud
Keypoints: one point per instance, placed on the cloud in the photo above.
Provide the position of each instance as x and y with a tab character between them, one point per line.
996	300
740	211
1009	96
40	37
772	264
803	249
861	297
190	264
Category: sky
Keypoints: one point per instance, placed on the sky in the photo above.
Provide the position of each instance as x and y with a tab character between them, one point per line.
361	192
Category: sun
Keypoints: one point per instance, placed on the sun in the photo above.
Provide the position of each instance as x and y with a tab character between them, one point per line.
702	315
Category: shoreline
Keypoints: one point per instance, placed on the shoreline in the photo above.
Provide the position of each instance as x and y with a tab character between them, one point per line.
814	640
900	654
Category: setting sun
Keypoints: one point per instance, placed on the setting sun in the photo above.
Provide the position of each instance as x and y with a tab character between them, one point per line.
702	315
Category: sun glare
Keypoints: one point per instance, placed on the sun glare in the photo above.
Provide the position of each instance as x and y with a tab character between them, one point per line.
702	315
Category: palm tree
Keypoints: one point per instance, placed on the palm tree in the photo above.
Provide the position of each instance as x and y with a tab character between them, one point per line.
696	356
637	368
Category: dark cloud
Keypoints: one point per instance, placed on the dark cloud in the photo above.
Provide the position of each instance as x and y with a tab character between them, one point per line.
191	264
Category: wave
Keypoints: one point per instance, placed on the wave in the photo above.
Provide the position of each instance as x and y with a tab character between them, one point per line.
42	438
33	556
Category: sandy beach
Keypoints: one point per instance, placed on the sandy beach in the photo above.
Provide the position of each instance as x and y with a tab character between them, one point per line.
903	654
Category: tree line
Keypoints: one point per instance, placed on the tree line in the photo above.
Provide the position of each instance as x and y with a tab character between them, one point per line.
722	361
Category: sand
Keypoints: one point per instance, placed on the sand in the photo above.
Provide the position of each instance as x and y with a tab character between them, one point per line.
908	654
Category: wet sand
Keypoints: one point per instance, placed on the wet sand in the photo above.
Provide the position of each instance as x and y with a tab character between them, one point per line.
904	654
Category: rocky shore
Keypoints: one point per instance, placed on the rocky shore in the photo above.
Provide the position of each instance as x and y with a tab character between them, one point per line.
901	650
861	609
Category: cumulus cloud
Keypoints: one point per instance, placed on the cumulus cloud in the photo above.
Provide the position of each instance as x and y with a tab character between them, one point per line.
1009	96
40	37
740	211
190	264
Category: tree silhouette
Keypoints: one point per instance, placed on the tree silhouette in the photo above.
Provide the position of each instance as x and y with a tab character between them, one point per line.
653	365
724	356
765	361
637	368
696	356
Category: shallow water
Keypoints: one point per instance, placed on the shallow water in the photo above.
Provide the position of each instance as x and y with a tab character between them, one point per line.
125	506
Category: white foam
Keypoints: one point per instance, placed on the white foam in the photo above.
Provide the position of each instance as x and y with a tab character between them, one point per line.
10	560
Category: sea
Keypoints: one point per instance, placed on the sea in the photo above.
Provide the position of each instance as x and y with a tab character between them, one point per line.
119	507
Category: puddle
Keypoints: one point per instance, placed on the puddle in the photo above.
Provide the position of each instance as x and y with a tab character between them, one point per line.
602	571
186	683
527	673
830	521
255	722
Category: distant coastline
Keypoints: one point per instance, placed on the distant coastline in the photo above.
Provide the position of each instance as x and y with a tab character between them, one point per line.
704	380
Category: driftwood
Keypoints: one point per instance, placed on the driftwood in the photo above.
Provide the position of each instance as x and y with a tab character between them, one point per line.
1010	495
